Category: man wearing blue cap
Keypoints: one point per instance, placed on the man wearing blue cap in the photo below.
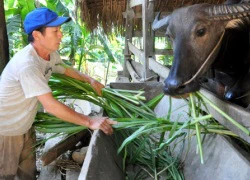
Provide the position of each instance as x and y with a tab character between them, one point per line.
24	83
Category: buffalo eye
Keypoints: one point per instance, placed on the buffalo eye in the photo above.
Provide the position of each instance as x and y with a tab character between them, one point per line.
201	32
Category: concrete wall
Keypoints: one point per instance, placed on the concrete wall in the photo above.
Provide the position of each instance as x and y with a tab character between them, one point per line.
223	159
102	161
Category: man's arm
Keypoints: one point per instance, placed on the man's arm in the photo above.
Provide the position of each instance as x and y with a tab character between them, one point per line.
58	109
83	77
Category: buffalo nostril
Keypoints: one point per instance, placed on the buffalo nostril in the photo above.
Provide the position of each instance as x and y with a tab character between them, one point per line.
229	95
173	84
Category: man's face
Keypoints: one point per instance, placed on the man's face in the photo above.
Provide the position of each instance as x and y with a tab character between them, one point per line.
51	38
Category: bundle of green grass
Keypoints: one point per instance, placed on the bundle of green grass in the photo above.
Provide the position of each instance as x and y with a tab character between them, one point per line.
137	122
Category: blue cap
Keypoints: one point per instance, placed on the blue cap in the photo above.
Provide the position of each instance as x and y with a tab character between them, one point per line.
42	17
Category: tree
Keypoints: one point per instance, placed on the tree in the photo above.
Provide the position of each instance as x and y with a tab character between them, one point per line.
4	44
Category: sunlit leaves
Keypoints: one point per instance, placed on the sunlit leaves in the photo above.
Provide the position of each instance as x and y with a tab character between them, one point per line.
17	39
9	3
106	49
26	7
12	12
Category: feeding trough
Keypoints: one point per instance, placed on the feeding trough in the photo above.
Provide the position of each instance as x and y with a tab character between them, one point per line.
223	158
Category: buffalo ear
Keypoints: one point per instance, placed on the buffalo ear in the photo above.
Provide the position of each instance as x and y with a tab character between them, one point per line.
158	24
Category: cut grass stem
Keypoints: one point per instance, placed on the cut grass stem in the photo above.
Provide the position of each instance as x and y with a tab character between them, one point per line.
198	134
227	117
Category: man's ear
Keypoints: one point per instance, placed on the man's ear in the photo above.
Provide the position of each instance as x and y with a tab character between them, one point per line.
36	35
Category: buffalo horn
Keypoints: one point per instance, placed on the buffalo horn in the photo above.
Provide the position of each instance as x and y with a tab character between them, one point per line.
228	12
157	24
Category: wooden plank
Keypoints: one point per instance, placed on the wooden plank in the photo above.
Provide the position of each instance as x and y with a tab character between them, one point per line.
148	35
135	77
62	147
236	112
128	37
163	51
156	34
157	51
137	52
134	3
158	68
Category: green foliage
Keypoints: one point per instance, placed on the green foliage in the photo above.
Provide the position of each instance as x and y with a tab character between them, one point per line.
15	12
16	36
106	48
78	46
11	12
21	7
57	6
9	4
49	124
163	43
146	162
26	6
166	60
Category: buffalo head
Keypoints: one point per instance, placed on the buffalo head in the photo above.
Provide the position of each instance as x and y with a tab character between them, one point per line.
196	33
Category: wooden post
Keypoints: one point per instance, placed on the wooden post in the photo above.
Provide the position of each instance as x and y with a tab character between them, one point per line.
148	36
128	36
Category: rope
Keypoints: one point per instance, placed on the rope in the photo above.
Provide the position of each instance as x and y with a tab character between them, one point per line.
206	61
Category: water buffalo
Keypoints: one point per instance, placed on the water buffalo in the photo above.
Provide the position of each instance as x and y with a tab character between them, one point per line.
204	37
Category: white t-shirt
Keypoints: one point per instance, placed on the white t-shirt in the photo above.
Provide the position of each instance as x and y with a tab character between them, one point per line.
25	77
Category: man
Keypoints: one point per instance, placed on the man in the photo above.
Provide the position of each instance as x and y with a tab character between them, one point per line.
24	83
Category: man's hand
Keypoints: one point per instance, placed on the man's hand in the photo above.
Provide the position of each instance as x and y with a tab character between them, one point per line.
103	123
97	86
85	78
